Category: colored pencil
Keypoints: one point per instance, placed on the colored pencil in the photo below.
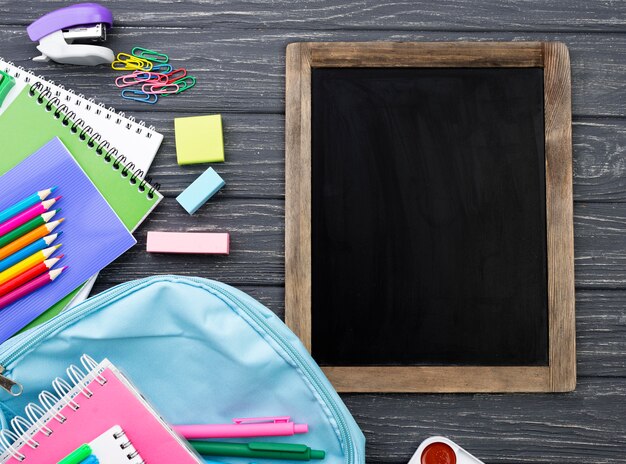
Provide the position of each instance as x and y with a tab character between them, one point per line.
29	238
26	215
27	202
29	275
25	252
30	287
26	228
27	263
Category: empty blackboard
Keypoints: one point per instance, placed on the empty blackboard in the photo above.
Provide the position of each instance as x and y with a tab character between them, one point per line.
428	218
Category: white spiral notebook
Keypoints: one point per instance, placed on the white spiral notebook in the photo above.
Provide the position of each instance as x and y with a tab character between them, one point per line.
115	447
133	140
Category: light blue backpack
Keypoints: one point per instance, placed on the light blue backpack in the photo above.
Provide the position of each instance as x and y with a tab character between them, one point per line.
199	350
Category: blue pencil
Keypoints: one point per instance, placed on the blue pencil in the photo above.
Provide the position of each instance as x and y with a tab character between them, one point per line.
27	202
25	252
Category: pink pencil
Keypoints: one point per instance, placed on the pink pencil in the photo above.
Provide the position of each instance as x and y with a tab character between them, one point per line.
30	287
26	215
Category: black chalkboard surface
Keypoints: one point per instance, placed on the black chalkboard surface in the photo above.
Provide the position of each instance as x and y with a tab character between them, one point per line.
428	217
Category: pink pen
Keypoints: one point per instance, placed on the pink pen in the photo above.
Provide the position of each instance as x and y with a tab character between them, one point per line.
244	428
26	216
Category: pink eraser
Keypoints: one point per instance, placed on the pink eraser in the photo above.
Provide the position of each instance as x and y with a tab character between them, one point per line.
188	242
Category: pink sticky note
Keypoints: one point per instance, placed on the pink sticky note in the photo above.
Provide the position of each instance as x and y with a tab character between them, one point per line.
188	242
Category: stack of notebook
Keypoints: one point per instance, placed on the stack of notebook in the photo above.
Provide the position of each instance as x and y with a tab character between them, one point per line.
113	151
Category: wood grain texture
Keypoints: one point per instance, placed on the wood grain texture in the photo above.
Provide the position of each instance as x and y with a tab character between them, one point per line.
426	55
440	379
581	427
530	15
559	216
243	71
298	192
237	50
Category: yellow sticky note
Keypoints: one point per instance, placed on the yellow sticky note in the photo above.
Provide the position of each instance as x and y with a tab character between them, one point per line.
199	139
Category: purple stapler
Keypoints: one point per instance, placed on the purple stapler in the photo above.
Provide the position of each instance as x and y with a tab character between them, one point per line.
62	35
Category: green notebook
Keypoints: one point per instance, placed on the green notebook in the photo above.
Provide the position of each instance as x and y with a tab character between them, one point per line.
32	120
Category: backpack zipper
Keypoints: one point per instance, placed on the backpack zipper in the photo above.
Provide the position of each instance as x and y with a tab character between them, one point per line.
14	388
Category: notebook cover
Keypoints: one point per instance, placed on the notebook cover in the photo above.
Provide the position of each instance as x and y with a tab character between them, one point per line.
138	143
93	235
116	402
27	125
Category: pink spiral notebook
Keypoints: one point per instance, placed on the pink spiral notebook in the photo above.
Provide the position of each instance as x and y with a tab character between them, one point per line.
100	398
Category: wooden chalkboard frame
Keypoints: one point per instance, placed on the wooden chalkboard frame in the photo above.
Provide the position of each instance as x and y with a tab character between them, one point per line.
560	373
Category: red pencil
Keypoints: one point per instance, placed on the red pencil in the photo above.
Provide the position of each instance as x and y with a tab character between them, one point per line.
29	275
30	287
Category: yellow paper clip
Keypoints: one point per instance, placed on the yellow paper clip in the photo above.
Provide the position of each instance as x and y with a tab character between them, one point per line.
130	63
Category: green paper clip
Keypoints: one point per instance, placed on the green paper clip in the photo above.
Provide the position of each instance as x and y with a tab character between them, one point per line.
185	83
6	84
150	55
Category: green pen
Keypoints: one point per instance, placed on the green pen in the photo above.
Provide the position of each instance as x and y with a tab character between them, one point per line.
77	456
258	450
6	84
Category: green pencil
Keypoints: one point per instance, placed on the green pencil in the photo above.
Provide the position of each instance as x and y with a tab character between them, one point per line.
26	228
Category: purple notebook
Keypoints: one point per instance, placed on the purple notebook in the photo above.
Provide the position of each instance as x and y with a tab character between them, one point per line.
93	235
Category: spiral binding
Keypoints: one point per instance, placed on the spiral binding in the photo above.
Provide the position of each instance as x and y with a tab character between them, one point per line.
68	94
127	447
24	429
58	97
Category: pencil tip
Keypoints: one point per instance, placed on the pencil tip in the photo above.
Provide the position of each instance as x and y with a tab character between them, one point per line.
60	256
53	189
61	220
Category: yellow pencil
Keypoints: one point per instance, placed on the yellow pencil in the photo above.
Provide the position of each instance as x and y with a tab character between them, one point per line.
26	264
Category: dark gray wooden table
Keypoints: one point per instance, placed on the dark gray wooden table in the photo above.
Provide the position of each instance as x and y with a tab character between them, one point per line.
236	49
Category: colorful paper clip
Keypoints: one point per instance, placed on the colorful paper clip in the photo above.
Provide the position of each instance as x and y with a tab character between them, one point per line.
150	55
162	68
126	62
127	80
176	75
138	95
185	83
151	78
159	89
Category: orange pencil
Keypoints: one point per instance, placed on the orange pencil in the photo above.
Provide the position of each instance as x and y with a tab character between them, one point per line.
29	238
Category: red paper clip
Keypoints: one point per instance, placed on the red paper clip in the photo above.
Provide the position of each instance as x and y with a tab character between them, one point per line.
176	75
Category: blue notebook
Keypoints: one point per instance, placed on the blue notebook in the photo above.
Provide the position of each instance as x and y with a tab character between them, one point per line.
93	235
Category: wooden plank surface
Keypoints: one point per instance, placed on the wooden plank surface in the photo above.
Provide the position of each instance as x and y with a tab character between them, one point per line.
243	71
237	50
585	15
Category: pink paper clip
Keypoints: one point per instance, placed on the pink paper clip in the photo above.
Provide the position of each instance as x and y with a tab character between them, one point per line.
176	75
159	89
127	80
